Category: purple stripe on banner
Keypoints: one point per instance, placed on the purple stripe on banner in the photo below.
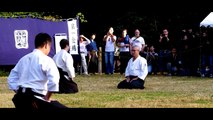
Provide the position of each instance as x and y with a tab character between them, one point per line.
9	52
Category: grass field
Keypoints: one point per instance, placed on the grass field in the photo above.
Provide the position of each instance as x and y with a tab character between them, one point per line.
99	91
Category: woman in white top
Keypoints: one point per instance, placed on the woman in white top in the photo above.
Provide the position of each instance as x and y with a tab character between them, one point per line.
123	44
136	70
83	52
110	40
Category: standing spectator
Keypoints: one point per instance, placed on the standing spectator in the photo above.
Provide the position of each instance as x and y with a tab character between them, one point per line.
184	47
83	53
35	77
110	40
194	43
188	47
64	62
206	55
136	71
138	39
93	59
123	44
164	45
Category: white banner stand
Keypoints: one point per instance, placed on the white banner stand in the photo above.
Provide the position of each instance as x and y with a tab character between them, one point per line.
58	37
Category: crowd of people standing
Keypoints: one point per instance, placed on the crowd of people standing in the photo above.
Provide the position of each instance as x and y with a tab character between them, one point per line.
188	54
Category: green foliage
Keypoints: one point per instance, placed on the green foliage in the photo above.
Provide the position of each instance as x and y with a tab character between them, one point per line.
40	15
148	25
4	73
81	17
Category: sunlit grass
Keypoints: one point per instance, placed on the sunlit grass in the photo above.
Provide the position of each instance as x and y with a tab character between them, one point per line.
99	91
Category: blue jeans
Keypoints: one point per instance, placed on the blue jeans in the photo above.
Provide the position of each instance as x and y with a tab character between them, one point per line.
109	62
152	69
205	59
171	69
149	69
163	56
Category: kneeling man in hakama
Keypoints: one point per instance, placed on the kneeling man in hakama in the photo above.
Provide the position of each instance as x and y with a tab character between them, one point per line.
136	70
64	62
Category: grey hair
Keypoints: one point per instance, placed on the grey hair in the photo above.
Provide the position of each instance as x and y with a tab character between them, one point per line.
138	45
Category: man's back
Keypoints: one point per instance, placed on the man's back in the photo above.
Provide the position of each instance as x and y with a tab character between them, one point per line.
35	77
32	71
64	61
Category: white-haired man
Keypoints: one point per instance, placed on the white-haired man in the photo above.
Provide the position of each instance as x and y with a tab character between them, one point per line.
136	70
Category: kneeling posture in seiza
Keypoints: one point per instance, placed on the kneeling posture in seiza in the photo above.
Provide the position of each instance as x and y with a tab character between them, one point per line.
64	62
35	78
136	70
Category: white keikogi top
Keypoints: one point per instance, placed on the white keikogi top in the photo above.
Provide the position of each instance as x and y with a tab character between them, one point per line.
138	67
37	71
64	61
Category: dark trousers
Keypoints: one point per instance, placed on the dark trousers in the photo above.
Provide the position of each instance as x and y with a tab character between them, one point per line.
133	84
66	85
93	64
124	58
26	100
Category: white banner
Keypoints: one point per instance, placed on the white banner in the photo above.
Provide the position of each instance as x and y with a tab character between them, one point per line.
73	36
58	38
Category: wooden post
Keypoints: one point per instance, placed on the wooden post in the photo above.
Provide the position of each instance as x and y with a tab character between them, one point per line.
100	60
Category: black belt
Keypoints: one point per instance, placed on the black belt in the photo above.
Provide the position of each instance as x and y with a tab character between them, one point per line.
28	91
62	72
132	77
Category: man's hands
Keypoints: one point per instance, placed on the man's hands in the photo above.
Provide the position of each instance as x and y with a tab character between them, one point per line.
130	80
127	79
47	96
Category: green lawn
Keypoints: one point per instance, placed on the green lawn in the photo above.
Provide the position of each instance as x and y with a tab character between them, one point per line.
99	91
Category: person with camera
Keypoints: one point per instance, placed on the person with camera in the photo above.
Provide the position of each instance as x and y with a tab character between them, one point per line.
164	47
109	40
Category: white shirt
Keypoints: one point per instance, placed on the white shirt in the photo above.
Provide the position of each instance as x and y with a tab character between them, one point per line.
138	67
123	49
135	40
37	71
65	61
110	45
